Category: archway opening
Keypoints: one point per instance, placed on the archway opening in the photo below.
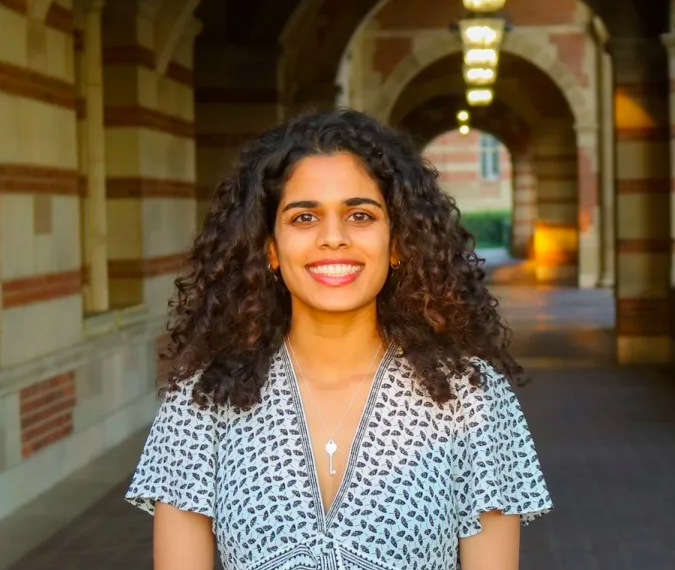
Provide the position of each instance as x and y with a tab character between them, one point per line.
474	167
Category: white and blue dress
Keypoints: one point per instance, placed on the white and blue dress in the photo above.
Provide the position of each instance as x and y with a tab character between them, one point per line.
418	477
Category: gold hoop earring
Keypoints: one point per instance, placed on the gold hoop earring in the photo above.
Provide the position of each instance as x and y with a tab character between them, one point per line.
395	267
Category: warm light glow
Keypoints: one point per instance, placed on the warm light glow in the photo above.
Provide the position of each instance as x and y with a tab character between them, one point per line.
481	32
481	57
479	75
464	130
484	5
463	116
479	96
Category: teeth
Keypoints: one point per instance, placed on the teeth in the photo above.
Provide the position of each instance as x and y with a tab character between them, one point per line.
335	270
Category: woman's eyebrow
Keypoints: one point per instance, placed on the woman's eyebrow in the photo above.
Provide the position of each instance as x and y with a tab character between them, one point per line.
309	204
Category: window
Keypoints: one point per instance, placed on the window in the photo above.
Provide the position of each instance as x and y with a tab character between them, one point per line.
489	157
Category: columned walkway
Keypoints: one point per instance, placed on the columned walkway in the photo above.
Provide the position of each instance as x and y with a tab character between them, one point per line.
606	437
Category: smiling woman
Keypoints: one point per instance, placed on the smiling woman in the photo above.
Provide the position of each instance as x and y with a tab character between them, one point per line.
340	396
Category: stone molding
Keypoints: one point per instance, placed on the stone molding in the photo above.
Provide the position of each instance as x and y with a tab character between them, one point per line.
138	328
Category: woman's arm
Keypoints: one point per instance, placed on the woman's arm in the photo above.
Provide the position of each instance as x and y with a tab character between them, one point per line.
496	547
182	540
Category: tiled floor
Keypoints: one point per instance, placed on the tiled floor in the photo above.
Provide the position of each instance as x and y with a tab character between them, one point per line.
606	438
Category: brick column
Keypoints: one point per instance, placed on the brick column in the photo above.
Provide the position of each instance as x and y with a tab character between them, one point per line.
320	97
641	119
556	234
607	192
588	206
233	104
40	257
91	143
150	156
669	42
524	215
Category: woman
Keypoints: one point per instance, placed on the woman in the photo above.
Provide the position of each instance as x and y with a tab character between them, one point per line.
340	396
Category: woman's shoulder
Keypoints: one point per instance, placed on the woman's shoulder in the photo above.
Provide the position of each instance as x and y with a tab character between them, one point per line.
481	390
474	368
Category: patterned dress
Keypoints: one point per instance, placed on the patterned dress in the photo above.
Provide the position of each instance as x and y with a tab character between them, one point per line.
419	474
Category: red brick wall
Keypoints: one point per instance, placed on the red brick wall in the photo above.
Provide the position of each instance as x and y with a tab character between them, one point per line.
457	158
46	410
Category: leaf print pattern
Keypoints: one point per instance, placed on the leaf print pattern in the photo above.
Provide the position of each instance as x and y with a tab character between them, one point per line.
418	478
179	462
496	464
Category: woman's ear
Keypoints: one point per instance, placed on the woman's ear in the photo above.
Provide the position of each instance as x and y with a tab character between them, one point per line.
272	254
394	258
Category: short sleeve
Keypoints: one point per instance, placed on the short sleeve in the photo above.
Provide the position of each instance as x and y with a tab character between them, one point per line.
178	464
496	464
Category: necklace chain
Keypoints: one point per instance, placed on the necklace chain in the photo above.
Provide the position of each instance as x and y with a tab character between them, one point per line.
331	446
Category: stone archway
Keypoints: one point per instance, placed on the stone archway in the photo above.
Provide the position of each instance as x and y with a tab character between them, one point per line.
542	54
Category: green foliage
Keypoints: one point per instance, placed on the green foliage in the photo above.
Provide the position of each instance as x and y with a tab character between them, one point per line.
491	228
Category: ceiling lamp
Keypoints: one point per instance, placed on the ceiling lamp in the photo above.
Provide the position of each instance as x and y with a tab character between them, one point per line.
479	75
482	32
464	130
479	96
484	5
463	116
481	57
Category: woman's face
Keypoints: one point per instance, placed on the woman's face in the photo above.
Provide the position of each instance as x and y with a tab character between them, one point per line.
331	235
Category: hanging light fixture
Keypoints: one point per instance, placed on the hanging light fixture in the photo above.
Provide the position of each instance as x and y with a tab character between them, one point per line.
481	57
478	97
463	116
484	5
475	75
482	32
464	129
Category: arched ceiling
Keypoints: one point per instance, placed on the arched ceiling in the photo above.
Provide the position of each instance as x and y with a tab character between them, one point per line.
439	114
333	22
527	92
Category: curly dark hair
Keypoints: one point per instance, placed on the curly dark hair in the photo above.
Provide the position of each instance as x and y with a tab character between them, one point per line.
230	314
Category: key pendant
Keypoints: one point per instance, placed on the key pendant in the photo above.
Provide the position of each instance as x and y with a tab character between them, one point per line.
331	448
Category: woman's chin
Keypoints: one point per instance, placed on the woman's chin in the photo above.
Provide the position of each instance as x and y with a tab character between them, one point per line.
337	304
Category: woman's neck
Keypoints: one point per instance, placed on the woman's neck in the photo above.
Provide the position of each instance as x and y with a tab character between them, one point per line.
334	346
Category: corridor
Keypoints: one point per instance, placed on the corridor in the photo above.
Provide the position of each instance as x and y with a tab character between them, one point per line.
606	436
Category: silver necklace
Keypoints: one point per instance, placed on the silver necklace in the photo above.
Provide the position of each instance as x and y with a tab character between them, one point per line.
331	447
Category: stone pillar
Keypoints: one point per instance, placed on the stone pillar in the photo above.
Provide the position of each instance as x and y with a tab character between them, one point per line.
588	206
232	106
643	243
669	42
524	215
556	235
606	100
318	97
92	155
150	156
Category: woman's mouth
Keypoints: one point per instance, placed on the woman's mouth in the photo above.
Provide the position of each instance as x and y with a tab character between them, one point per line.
335	274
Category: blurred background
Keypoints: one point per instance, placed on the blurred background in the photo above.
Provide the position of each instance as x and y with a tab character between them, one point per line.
550	122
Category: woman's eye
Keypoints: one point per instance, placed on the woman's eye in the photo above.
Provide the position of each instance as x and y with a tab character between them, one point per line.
361	217
305	218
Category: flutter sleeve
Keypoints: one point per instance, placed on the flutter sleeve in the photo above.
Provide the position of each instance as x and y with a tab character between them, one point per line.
496	464
178	464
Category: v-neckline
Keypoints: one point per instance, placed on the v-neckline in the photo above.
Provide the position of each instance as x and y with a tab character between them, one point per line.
325	518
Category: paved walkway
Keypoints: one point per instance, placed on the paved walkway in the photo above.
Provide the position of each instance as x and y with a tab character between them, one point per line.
606	438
